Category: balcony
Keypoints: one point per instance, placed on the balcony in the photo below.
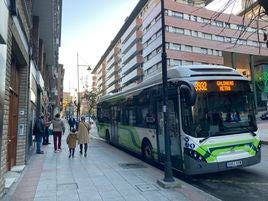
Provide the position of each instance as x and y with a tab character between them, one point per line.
152	46
153	30
110	63
151	15
111	80
133	26
132	63
156	59
110	72
134	50
131	76
111	88
110	54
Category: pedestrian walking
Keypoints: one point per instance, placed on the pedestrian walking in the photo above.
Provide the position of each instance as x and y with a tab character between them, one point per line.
71	122
83	135
71	141
39	132
47	121
58	131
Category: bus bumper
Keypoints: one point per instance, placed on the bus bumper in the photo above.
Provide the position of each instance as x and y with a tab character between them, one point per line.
194	167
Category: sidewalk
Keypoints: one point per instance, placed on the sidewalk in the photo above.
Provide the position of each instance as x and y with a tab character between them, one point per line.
105	174
263	131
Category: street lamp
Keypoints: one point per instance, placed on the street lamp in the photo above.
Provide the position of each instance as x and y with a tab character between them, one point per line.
78	95
168	167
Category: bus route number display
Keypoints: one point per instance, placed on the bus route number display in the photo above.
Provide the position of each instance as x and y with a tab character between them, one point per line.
201	86
216	85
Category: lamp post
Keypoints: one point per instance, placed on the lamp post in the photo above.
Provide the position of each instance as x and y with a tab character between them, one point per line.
168	167
78	80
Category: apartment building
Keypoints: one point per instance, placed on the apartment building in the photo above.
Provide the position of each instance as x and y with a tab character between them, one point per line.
27	49
194	35
50	13
14	95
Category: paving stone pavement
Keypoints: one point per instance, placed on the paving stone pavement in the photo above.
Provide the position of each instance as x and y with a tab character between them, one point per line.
101	176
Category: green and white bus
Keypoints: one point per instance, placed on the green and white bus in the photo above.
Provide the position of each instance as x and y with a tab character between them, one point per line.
212	123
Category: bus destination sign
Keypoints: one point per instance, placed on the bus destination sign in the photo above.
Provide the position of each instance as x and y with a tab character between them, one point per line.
216	85
225	85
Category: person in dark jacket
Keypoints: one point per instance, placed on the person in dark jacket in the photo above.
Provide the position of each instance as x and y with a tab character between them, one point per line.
71	122
39	133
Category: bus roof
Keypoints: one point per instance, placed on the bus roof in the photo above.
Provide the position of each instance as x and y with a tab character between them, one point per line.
187	72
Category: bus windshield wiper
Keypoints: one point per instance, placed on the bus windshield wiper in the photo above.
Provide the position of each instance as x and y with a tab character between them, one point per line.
205	138
253	134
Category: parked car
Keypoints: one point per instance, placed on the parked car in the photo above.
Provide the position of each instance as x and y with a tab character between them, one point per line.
264	116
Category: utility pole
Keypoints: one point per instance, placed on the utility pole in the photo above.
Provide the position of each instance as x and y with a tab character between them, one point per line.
78	93
168	181
168	166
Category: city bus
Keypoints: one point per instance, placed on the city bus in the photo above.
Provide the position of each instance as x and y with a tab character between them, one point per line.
212	124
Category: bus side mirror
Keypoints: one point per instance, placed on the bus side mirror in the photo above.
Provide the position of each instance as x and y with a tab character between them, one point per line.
188	90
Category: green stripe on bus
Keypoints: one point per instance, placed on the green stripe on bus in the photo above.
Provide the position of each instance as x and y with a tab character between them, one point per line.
210	152
129	137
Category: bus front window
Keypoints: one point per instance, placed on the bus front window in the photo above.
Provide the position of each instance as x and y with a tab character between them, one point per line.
219	114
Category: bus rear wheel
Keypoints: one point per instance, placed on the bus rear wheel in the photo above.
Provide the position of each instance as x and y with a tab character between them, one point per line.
147	151
107	137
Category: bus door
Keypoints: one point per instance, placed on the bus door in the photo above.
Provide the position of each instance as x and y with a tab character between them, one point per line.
173	132
114	123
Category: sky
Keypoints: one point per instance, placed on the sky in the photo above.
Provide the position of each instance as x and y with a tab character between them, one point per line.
88	27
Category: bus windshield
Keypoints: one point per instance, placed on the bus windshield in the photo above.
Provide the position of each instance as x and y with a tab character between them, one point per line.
216	113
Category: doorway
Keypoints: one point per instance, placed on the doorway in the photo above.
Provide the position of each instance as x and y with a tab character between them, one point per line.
13	116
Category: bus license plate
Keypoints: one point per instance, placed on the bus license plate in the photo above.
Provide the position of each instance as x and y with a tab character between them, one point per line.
233	164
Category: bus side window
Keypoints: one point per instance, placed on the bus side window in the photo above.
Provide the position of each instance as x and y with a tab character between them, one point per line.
118	115
125	116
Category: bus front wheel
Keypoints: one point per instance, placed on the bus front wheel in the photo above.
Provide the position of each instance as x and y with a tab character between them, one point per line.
147	151
107	137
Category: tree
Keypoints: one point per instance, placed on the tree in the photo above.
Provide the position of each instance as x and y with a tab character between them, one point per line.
256	11
92	98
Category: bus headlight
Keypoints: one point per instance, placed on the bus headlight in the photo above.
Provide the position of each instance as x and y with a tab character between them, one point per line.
258	148
194	154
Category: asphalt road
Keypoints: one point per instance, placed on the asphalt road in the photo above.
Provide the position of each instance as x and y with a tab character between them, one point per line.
245	184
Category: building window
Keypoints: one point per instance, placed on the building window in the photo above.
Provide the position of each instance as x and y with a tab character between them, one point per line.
207	36
204	51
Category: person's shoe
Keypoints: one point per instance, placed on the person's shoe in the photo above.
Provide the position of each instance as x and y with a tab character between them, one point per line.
80	152
59	149
55	151
48	143
85	154
40	152
70	156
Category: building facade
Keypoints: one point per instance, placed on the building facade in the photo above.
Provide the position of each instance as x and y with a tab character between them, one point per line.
25	48
194	35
